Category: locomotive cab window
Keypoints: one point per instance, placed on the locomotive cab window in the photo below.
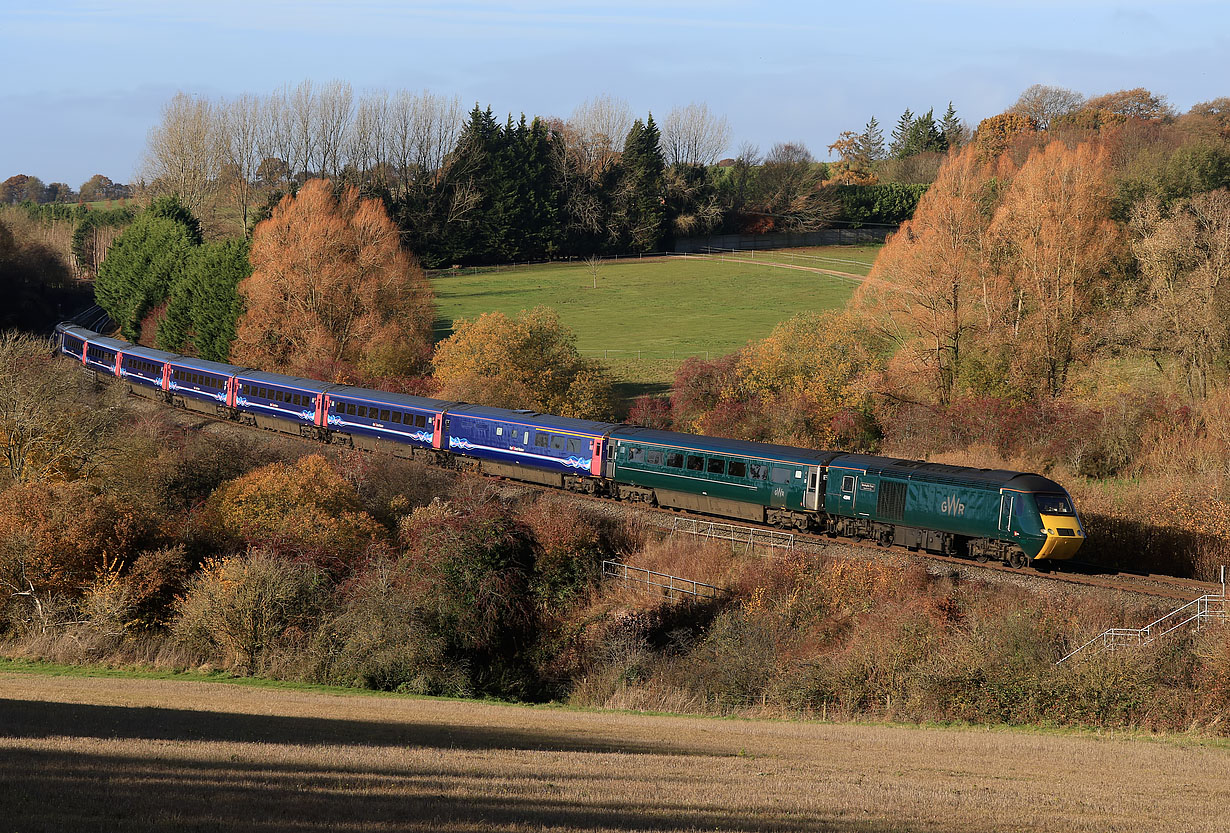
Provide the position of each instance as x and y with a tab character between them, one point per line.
1053	505
847	483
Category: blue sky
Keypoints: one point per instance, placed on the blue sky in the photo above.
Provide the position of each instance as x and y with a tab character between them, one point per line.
84	81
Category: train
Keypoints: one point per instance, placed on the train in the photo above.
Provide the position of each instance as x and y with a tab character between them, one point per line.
1017	518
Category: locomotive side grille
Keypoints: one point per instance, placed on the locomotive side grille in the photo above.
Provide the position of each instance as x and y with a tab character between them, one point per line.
891	502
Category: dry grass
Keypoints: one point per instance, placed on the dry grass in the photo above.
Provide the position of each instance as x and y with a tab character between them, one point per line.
125	754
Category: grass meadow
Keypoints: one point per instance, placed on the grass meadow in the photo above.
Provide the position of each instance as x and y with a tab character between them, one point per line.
130	754
647	315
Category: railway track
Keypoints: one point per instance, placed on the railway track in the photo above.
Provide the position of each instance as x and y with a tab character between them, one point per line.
1070	573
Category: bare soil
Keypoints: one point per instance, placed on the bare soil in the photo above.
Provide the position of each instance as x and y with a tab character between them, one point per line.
135	754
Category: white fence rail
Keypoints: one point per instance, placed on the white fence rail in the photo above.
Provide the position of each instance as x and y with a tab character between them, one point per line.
747	536
667	585
1198	612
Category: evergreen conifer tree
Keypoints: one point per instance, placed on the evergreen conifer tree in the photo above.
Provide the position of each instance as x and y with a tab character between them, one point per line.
643	187
901	135
871	142
950	126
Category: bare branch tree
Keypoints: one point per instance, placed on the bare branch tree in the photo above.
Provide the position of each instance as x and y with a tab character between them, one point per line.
1043	104
334	112
594	263
692	135
184	152
240	127
302	104
597	130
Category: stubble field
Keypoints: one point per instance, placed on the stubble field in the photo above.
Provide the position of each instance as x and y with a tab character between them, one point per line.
123	754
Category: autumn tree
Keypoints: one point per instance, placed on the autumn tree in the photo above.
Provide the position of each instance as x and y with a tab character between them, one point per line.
787	189
1057	245
1137	103
332	292
1184	256
45	432
305	511
530	361
854	163
244	603
996	133
932	286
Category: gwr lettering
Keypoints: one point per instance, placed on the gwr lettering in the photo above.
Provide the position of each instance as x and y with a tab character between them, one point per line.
952	506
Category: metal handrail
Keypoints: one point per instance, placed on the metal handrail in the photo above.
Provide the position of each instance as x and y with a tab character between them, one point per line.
663	581
749	536
1206	608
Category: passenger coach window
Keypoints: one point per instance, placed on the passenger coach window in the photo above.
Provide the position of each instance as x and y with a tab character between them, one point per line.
574	445
541	440
674	459
397	417
636	455
422	423
737	468
717	466
780	475
558	443
696	463
654	458
384	415
759	470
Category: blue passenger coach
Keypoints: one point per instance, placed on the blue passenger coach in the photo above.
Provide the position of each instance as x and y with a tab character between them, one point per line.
527	445
377	420
201	385
145	369
289	404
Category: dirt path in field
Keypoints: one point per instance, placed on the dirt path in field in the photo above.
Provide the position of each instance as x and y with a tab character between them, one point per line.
131	754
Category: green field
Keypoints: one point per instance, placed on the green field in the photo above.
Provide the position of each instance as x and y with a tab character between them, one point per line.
646	316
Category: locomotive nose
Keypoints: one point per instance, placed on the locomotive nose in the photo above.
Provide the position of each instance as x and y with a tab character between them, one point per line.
1064	536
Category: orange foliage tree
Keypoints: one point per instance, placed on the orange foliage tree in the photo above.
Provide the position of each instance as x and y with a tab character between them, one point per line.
332	293
1056	246
305	510
933	286
530	361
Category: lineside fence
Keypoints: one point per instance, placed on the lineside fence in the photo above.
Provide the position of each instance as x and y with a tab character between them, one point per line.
668	585
747	537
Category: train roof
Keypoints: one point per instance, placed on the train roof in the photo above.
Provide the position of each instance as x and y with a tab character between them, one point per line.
535	419
148	353
302	383
720	445
382	397
113	344
922	470
80	332
216	368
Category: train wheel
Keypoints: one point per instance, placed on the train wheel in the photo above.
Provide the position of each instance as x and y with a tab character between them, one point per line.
1017	559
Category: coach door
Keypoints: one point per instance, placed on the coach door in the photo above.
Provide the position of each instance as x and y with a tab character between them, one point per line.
1006	501
811	497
